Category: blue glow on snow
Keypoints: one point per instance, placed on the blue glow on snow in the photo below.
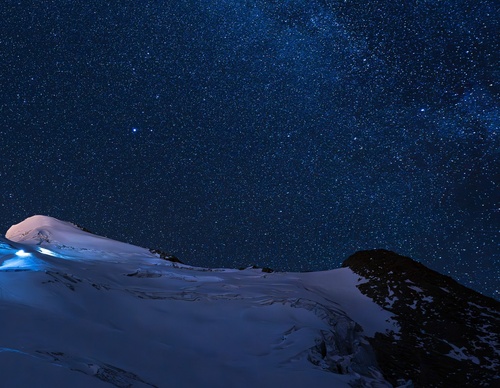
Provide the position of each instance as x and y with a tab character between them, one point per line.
48	252
19	263
21	253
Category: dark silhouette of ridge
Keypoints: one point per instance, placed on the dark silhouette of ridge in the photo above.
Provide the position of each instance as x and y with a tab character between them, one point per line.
448	332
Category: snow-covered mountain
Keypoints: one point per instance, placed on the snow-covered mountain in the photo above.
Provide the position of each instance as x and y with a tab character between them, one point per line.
81	310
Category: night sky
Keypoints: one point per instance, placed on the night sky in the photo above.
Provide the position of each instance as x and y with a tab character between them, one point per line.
286	134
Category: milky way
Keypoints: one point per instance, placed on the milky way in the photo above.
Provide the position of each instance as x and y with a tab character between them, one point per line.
287	134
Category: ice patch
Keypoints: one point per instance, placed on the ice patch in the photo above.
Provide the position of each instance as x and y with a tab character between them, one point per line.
391	293
391	298
459	354
390	302
48	252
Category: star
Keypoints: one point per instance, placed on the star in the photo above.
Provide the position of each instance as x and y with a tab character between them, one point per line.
362	133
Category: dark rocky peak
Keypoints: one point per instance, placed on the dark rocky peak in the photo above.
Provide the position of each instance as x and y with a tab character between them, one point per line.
449	334
165	256
84	229
394	267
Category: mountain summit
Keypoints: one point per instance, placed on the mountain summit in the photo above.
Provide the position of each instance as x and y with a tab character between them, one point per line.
65	236
82	310
449	334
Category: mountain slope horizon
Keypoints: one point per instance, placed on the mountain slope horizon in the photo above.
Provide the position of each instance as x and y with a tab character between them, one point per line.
381	319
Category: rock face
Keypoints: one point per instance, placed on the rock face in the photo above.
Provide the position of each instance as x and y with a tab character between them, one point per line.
449	334
165	256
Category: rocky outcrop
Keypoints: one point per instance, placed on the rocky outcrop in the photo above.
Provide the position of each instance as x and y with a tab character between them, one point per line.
165	256
449	334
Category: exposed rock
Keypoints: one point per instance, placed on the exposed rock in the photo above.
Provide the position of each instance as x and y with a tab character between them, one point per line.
254	266
144	274
165	256
82	228
449	334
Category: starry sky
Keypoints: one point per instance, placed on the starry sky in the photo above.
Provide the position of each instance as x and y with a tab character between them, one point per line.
286	134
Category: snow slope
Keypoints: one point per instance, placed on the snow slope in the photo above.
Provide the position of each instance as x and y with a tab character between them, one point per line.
81	310
66	237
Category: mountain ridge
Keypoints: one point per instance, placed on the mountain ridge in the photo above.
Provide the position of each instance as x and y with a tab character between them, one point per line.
121	318
449	333
381	320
